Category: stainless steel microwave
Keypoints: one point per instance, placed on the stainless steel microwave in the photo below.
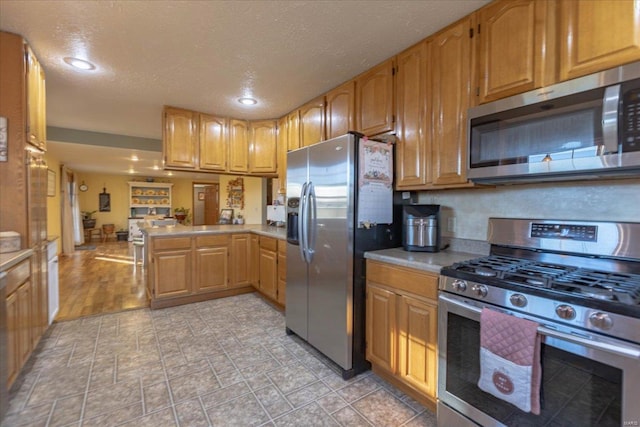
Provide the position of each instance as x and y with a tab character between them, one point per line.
583	128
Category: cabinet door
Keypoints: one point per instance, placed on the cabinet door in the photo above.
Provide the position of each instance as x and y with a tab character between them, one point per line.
450	81
340	110
417	337
381	327
282	155
269	272
254	269
413	144
172	272
293	130
13	341
238	146
213	143
211	269
25	319
512	48
240	253
263	147
180	138
374	100
282	271
596	35
312	122
36	102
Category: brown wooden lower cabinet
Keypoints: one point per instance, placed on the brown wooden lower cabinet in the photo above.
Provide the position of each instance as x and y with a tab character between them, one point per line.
401	328
24	316
187	269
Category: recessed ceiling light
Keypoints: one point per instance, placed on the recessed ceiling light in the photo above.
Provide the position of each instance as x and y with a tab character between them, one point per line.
169	173
247	101
79	63
134	158
156	168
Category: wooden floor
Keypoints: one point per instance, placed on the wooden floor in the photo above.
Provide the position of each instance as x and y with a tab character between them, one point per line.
98	281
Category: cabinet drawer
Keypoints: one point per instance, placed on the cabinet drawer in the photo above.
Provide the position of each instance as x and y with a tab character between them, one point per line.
269	243
172	243
404	279
214	240
17	275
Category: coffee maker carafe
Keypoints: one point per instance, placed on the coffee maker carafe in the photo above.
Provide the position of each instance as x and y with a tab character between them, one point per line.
421	228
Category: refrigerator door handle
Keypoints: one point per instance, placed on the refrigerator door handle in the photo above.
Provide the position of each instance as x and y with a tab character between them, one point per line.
301	221
312	228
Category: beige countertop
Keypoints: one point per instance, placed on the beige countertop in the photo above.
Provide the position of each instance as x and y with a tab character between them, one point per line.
10	259
187	230
426	261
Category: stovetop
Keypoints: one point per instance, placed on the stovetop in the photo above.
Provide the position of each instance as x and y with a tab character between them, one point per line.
620	288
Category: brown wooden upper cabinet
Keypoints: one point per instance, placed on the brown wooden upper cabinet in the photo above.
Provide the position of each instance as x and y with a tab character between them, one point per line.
263	148
238	146
340	110
293	130
312	122
596	35
514	49
213	143
180	138
282	155
36	102
413	146
375	99
450	98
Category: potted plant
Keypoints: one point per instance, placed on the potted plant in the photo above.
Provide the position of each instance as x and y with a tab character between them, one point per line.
181	214
88	221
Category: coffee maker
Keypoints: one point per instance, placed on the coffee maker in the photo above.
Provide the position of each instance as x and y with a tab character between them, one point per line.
421	228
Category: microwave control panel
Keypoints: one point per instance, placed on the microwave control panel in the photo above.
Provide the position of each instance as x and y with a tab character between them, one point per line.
584	233
630	121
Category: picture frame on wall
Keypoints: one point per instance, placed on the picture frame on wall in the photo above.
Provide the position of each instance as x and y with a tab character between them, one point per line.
201	195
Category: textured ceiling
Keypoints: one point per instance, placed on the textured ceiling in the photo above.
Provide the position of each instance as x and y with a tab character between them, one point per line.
203	55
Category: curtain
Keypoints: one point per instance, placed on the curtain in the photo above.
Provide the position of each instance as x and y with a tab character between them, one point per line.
72	233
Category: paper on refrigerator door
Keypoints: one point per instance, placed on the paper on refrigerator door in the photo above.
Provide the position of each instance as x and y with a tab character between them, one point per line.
375	183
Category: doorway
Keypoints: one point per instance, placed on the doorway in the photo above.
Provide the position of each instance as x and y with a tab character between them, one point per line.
206	203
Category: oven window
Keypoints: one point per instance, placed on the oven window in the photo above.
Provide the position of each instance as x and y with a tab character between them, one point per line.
575	390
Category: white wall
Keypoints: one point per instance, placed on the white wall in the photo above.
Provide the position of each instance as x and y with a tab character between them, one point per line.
589	200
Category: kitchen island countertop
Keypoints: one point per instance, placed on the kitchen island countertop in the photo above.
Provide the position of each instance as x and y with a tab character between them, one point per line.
425	261
188	230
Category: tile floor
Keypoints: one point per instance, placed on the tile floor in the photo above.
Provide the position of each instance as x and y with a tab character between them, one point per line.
225	362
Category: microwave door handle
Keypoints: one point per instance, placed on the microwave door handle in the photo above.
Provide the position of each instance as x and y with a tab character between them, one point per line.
619	350
610	105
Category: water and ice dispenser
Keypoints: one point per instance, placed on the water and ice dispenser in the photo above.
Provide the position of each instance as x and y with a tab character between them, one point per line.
421	228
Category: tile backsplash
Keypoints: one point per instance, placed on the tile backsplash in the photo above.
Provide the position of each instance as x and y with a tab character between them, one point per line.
465	213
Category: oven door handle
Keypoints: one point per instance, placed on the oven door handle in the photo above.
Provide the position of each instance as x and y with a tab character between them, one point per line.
619	350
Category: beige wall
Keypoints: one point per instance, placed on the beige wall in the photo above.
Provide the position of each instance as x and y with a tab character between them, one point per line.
118	187
611	200
255	198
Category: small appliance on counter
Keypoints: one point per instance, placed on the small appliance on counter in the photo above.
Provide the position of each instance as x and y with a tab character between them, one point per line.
276	215
421	228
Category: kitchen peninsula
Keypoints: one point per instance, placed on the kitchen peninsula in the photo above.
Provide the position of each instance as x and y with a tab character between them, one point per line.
196	263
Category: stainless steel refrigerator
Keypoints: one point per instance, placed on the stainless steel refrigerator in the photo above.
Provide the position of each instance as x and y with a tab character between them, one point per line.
327	235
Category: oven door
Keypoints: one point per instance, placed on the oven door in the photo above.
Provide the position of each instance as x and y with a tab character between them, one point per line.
586	380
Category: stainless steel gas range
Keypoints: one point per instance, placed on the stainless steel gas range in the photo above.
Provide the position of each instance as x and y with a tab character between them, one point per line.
580	281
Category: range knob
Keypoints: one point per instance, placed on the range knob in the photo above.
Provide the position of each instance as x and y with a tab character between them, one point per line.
518	300
480	290
565	312
459	285
601	320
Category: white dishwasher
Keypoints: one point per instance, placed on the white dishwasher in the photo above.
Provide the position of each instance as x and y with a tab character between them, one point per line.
52	279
